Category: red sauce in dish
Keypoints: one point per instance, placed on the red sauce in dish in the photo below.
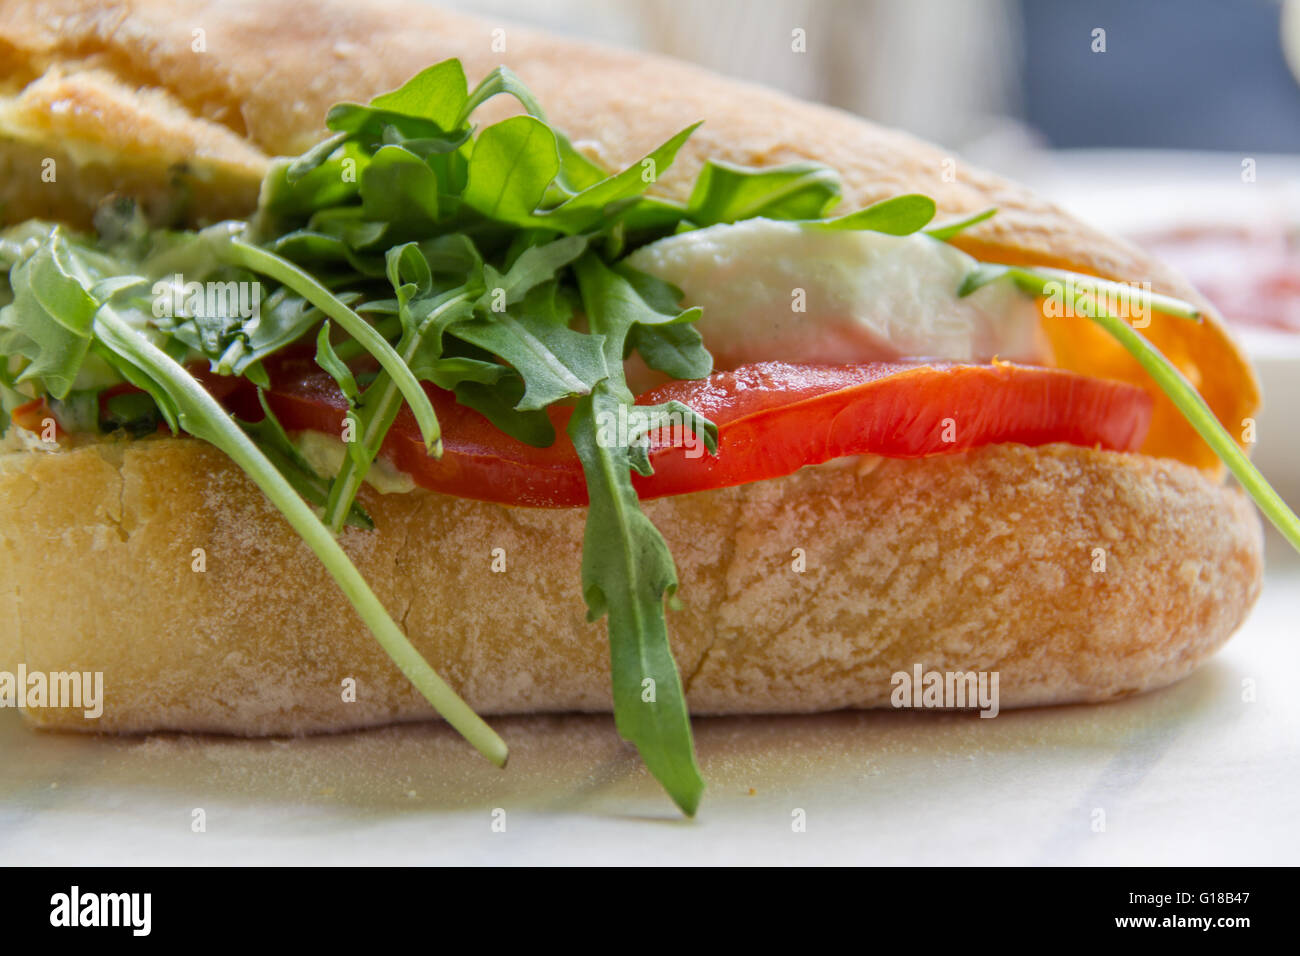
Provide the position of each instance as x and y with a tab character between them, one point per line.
1251	274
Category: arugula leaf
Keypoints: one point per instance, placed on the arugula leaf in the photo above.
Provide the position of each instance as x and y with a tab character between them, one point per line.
133	412
410	275
646	420
512	164
898	216
141	380
453	254
437	93
986	273
534	266
586	208
1084	292
448	371
620	294
315	179
1193	407
283	319
331	363
318	249
725	192
312	159
949	230
577	172
649	218
399	188
259	260
675	348
659	294
371	127
627	570
49	320
501	80
498	402
351	224
421	114
1044	281
555	361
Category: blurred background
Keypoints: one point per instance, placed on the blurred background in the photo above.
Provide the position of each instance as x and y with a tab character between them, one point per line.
975	74
1173	122
1139	115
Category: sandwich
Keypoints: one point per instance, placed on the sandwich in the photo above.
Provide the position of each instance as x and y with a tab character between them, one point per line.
366	364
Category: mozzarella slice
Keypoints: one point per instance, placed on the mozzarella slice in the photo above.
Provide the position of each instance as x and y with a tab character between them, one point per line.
776	290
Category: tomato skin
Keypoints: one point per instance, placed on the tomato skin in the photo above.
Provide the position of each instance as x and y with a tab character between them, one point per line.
31	416
235	393
895	410
478	461
773	418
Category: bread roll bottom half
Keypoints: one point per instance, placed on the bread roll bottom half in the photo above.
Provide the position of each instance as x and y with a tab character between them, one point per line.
799	594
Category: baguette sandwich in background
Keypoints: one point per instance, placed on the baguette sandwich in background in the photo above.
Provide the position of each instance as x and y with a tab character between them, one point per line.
511	378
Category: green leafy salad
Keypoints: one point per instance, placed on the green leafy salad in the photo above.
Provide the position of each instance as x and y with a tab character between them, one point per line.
413	247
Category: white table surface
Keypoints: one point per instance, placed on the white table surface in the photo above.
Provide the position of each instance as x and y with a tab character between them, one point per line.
1190	774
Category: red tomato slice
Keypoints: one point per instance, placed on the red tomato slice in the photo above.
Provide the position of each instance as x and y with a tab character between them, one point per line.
773	418
33	415
236	393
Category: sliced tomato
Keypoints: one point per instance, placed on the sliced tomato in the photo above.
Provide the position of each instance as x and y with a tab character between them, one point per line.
773	418
32	416
234	392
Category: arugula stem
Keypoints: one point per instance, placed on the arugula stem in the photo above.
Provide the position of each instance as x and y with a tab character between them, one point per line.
350	349
1122	292
543	355
1044	281
203	417
285	272
231	355
380	404
1188	401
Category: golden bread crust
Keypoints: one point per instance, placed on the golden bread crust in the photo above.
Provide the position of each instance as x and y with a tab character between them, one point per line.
979	561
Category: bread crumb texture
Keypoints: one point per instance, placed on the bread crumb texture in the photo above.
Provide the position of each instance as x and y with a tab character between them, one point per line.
803	593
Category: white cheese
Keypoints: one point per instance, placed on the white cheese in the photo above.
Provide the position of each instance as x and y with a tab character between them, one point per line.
777	291
325	454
